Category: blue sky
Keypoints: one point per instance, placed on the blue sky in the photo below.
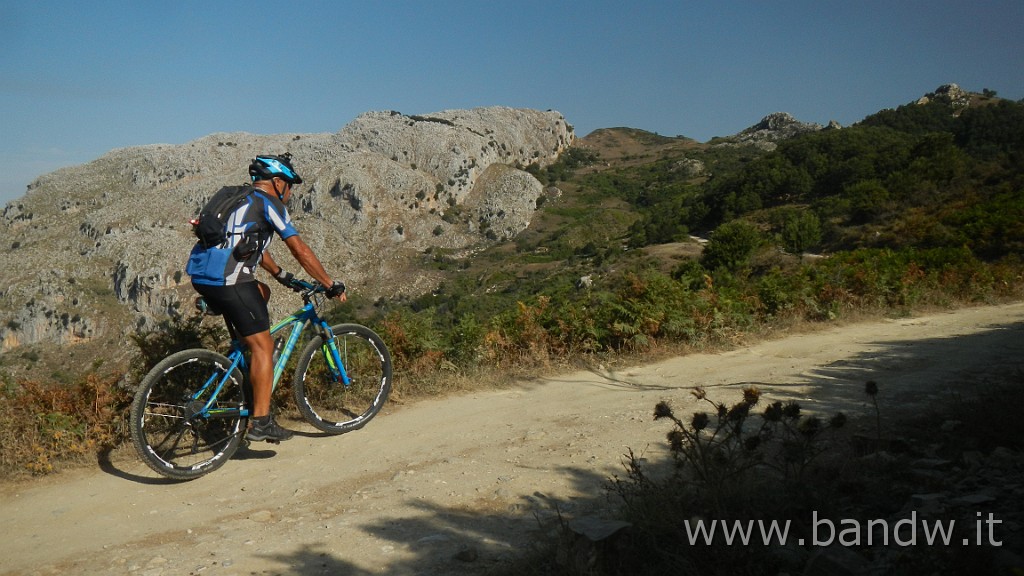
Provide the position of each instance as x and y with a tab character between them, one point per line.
78	79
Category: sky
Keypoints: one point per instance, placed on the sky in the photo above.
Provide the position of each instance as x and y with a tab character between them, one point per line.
78	79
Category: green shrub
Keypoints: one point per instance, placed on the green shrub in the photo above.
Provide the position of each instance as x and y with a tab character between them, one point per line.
172	335
731	246
801	231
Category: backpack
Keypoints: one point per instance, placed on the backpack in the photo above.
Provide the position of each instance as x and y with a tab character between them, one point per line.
210	227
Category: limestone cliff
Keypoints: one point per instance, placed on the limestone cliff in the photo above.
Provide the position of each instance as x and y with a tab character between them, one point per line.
94	252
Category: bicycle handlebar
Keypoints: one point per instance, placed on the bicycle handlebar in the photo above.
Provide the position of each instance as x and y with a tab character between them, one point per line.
304	286
309	289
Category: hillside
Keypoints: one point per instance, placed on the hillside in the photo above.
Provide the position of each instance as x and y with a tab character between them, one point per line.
94	253
458	215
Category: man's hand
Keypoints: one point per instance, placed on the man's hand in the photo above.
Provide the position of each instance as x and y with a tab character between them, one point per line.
287	279
337	290
284	278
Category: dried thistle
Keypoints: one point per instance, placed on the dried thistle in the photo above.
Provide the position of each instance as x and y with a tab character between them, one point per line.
675	440
700	421
662	410
738	412
751	395
810	426
837	421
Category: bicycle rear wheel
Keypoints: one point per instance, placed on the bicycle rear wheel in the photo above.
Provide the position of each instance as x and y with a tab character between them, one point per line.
332	406
171	431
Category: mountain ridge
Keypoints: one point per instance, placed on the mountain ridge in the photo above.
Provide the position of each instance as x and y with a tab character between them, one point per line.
96	252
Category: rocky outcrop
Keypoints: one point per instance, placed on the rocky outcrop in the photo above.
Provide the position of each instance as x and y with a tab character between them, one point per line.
96	251
770	130
951	94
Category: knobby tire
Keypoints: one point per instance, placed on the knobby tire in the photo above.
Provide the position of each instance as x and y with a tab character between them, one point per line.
332	406
169	436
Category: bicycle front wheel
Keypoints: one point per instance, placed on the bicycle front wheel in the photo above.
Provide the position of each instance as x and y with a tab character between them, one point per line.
330	405
172	428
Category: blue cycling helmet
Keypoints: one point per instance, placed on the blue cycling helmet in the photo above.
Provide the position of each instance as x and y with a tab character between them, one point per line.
265	167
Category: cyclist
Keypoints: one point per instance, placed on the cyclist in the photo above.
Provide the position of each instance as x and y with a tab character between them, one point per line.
225	276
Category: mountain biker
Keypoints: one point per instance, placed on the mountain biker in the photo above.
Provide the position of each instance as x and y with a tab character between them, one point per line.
225	276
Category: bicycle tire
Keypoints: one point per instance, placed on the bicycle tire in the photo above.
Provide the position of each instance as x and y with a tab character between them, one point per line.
331	406
173	442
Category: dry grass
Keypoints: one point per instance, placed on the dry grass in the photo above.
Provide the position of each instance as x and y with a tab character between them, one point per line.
46	427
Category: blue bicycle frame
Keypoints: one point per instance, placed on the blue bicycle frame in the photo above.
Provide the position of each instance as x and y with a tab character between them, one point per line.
297	322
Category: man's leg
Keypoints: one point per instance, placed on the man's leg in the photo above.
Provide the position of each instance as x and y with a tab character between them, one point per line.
261	364
261	370
261	376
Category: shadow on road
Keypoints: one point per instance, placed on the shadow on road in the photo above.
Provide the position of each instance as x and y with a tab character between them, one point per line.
495	534
911	374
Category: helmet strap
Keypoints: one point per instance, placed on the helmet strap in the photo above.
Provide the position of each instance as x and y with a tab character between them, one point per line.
280	195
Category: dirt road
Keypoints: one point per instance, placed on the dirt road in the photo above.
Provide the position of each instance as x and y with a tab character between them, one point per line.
461	484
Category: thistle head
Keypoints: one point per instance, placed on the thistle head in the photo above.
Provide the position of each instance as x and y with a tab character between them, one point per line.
837	421
810	427
871	388
675	440
751	395
700	421
773	413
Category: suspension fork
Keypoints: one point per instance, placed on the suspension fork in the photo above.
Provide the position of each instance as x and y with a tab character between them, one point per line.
332	354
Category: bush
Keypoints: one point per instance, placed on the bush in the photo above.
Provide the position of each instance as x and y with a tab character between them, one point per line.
180	333
801	230
727	465
44	425
731	246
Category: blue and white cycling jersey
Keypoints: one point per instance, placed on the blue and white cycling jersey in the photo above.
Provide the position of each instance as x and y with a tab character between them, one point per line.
255	221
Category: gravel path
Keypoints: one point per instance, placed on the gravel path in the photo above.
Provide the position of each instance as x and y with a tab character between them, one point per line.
462	484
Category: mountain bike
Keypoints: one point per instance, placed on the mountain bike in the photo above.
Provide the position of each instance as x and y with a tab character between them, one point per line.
191	411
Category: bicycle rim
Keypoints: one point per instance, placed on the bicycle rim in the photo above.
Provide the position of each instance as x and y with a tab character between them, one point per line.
332	406
170	433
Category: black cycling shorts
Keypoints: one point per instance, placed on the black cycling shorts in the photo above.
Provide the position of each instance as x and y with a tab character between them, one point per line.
242	304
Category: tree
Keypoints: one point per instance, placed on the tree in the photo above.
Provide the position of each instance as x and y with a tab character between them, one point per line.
800	231
868	199
731	245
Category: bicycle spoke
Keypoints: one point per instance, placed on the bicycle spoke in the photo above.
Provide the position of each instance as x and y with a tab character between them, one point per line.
168	424
331	405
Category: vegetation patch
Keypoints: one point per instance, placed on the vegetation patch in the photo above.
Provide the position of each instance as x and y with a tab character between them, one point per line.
913	208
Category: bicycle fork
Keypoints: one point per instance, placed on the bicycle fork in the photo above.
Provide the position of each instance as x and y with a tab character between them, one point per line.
333	355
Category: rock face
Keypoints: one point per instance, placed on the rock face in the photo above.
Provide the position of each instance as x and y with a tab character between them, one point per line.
97	251
771	129
951	94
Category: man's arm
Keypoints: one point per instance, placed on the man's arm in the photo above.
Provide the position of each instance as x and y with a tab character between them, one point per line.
307	259
268	264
